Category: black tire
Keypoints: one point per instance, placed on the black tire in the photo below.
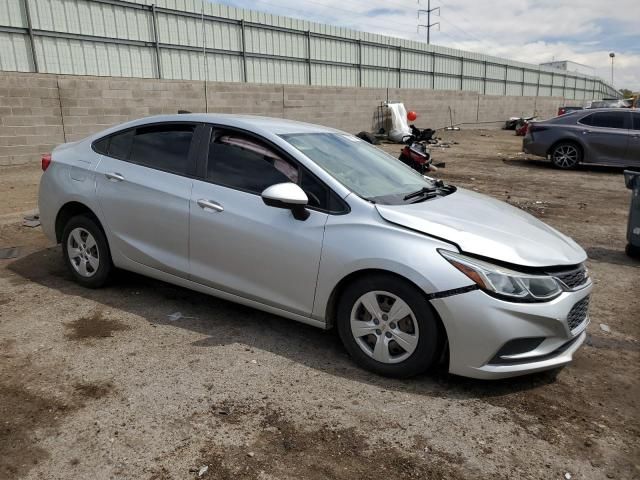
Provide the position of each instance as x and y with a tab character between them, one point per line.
429	343
96	277
566	155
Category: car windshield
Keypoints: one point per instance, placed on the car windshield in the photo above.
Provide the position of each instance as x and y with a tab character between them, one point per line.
362	168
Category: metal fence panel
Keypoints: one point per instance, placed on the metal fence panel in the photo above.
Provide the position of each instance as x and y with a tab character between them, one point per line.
473	85
16	53
61	55
264	70
514	89
416	80
473	69
12	13
334	76
446	83
166	38
329	49
495	88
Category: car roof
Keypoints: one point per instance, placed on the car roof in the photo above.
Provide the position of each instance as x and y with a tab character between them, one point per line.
252	123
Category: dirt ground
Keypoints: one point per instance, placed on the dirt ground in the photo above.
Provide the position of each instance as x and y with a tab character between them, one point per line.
101	384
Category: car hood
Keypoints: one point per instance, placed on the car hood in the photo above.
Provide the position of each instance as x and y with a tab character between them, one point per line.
481	225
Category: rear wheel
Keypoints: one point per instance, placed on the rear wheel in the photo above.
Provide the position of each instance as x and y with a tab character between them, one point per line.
566	155
387	326
86	252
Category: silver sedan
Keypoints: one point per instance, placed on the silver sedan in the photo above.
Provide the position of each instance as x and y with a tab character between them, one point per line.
315	225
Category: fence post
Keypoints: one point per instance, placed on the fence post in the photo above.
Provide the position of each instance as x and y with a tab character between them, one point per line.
31	40
359	62
244	51
399	67
309	56
484	78
156	41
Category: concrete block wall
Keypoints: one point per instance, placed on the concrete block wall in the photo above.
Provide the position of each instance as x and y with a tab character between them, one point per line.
30	118
433	106
38	112
244	98
350	109
93	104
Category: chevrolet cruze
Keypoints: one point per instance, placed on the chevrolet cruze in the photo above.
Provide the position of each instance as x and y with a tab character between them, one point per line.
316	225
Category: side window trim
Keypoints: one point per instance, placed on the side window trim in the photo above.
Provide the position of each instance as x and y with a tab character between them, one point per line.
203	165
192	156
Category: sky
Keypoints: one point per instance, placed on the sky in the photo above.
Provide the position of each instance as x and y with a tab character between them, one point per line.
533	31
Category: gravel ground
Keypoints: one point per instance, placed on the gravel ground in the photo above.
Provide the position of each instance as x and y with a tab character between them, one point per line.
100	384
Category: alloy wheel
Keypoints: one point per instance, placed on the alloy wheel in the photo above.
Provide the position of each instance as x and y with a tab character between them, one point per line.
565	156
83	252
384	327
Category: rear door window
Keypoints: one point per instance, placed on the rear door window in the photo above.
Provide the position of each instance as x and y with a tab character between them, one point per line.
636	121
163	147
606	120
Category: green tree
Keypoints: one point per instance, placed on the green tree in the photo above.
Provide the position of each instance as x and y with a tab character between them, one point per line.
626	93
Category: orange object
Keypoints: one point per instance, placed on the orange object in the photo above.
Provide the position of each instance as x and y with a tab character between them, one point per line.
411	116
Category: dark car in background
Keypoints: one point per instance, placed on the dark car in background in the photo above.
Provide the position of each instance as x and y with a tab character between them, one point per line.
609	136
568	109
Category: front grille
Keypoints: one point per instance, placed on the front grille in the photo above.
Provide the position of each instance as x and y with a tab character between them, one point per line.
572	278
578	314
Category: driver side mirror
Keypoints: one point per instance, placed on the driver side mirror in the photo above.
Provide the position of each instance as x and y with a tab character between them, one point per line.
289	196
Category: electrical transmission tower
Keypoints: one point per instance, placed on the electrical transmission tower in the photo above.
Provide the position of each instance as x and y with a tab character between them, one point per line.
428	25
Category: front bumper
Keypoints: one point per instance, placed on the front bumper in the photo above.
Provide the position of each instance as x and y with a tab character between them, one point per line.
479	325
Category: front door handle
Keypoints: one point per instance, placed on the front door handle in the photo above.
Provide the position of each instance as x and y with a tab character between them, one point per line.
210	205
114	177
586	132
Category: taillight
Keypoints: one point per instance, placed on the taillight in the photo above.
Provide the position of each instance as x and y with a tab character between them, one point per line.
46	161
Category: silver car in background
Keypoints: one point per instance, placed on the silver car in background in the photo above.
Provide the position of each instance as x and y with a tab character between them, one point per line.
315	225
609	136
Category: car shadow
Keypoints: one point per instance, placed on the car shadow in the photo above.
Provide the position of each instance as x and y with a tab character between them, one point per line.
609	255
225	323
546	164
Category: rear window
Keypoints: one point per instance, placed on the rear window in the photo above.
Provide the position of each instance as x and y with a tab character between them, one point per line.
606	120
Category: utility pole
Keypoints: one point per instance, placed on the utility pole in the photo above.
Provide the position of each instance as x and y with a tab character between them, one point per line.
429	24
612	56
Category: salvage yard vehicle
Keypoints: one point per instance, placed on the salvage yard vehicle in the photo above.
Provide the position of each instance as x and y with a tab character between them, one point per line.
609	136
316	225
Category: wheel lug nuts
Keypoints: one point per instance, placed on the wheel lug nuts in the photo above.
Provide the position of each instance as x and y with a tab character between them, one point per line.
385	317
376	321
378	331
392	325
388	334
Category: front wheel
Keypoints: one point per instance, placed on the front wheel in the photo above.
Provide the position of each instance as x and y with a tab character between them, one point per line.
388	326
566	155
85	252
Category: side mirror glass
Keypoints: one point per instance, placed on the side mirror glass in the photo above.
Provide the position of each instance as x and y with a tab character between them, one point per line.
287	195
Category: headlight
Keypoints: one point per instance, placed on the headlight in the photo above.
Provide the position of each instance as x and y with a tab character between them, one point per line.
505	283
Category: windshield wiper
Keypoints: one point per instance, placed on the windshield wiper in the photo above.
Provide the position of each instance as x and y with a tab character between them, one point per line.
423	191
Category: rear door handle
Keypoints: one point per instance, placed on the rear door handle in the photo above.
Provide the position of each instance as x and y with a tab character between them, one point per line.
586	132
210	205
114	177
